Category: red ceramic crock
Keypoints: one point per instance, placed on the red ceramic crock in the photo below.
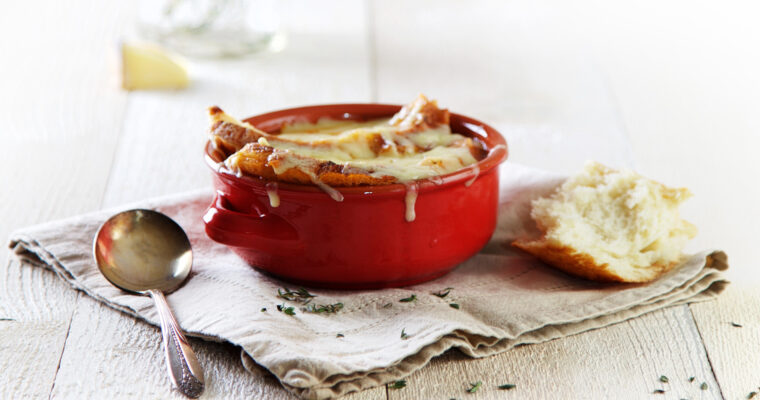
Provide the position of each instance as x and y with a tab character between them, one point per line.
365	241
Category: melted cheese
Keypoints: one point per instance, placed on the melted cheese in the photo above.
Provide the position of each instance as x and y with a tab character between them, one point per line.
274	197
409	200
407	147
406	157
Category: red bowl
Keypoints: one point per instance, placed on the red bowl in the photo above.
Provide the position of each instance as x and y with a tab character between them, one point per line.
365	241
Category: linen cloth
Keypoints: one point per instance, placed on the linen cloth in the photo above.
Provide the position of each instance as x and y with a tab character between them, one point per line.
505	298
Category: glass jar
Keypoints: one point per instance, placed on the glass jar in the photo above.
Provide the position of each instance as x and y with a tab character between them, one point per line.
212	28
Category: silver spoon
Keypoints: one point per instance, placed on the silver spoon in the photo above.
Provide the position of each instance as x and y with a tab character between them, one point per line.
146	252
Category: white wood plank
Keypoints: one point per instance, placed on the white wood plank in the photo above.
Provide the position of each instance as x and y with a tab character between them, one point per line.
506	64
160	153
110	355
35	310
601	364
59	129
732	349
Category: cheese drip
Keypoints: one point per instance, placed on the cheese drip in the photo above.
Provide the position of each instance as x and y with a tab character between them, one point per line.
416	143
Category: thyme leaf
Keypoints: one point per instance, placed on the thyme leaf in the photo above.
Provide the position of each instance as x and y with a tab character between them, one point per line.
398	384
287	310
323	308
691	379
299	295
734	324
474	387
340	335
442	293
404	336
658	391
508	386
454	305
409	299
263	309
663	379
703	386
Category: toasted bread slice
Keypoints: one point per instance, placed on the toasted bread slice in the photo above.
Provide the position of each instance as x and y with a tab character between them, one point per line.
261	160
416	143
609	225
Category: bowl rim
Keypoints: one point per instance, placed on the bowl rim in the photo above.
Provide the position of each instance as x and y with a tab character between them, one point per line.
497	153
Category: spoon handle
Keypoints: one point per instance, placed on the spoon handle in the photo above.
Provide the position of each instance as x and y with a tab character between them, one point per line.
184	369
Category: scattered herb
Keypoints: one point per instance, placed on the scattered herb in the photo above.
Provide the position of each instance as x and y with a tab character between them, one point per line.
443	293
736	325
388	305
398	384
703	386
287	310
454	305
404	336
508	386
658	391
7	319
691	379
409	299
324	308
340	335
475	386
263	309
751	395
300	295
663	379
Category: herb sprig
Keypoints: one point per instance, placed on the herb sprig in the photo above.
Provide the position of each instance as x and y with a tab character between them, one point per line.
299	295
474	387
287	310
442	293
508	386
323	308
400	384
409	299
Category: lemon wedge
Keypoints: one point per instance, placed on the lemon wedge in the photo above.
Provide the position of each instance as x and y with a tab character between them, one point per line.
146	66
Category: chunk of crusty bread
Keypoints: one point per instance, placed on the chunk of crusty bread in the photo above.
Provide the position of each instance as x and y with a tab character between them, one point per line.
610	225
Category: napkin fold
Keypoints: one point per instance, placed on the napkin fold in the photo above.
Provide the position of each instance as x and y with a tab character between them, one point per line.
504	298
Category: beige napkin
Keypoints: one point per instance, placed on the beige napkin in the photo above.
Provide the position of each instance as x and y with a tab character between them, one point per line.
505	298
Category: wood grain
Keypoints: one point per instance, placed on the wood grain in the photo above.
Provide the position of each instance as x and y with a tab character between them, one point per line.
59	130
732	349
622	361
35	310
502	62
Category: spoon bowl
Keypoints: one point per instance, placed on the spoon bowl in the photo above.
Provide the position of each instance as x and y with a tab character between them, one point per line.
146	252
139	250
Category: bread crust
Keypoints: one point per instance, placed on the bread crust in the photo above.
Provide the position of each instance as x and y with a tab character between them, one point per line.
239	144
581	264
257	159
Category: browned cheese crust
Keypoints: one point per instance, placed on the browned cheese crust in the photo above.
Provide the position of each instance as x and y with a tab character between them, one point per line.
580	264
239	146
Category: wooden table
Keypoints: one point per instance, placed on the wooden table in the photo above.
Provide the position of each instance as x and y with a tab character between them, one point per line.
646	86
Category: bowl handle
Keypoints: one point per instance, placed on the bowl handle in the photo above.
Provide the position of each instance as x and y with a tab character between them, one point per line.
234	228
